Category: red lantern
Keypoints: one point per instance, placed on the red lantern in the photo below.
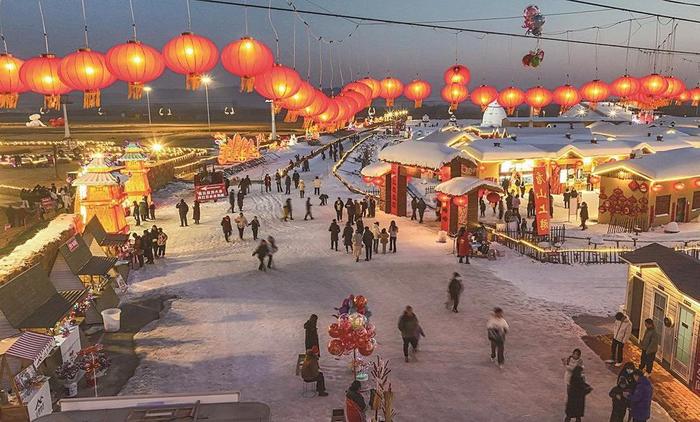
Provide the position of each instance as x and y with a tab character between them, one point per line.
359	102
510	98
278	83
460	201
457	74
334	330
624	87
345	109
136	64
633	185
538	98
336	347
566	96
657	187
391	88
191	55
247	58
315	108
695	96
483	96
373	84
675	87
360	301
454	94
653	85
683	97
679	186
86	70
40	75
595	91
417	90
367	179
493	197
10	83
329	114
297	102
361	89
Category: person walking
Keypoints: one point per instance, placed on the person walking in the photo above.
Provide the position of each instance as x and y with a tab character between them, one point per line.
278	182
152	210
570	363
226	227
454	289
232	200
516	203
241	222
353	397
162	242
268	183
576	393
621	335
271	250
311	333
335	231
147	245
649	346
368	240
414	208
182	209
350	210
317	186
567	198
620	402
196	212
338	206
138	249
482	206
531	203
143	209
408	326
384	239
393	234
497	328
347	237
255	226
288	209
310	372
357	244
500	209
287	184
239	199
136	213
323	198
154	241
261	251
376	231
640	399
583	213
464	245
308	209
302	188
296	178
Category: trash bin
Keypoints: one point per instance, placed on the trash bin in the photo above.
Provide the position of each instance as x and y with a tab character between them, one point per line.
112	319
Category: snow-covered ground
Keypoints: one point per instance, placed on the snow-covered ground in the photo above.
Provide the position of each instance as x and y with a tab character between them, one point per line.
235	328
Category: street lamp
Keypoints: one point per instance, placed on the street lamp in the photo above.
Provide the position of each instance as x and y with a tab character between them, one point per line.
206	80
157	148
147	90
273	136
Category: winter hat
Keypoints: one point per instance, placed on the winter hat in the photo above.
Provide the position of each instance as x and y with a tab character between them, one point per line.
456	275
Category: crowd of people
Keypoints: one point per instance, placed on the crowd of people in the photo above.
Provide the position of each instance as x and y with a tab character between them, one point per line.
37	201
358	236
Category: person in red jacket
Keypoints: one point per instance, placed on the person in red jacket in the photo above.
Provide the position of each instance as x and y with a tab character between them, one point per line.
464	245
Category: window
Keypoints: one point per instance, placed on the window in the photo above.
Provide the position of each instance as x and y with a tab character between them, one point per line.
696	200
663	205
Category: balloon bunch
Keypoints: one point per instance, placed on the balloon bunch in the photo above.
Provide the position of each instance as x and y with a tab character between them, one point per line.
534	20
533	58
353	331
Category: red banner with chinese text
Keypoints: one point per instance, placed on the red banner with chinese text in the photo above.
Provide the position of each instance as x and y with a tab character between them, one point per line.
541	186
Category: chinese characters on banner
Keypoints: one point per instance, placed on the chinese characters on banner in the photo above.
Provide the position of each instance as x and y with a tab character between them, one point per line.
394	188
541	186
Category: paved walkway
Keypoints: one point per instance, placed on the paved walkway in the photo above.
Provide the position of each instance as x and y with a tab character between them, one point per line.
675	397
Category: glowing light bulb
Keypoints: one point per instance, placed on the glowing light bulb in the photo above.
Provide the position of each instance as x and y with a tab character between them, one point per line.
47	79
89	70
10	66
189	51
136	59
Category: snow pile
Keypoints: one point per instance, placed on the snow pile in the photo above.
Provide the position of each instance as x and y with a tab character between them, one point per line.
458	186
666	165
377	169
420	153
35	249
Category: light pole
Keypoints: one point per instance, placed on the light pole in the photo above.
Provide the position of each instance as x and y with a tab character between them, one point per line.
273	136
206	80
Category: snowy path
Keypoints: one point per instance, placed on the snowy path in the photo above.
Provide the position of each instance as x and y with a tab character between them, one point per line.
235	328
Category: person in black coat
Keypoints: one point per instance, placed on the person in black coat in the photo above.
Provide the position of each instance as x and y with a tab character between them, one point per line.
182	209
287	184
414	208
355	396
311	334
255	225
372	208
350	209
576	393
335	231
226	227
584	215
338	206
278	182
239	199
232	200
146	243
421	209
367	239
137	215
347	237
308	209
295	178
261	251
196	212
268	183
620	402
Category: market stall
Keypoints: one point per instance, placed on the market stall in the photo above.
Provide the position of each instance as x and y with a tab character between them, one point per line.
459	199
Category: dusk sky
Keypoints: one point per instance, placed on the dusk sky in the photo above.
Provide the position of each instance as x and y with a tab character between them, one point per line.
399	50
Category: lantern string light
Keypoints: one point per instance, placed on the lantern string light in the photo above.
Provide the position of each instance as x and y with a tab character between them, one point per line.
245	17
627	50
85	25
330	59
340	68
294	44
277	38
2	32
597	34
320	65
189	16
133	18
308	53
43	26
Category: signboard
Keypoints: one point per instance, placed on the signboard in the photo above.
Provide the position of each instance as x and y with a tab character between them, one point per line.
394	189
207	193
541	186
70	345
40	402
72	244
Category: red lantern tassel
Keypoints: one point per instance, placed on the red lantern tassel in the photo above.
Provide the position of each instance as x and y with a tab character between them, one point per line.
389	102
52	102
536	111
135	90
510	110
418	104
247	84
291	116
91	99
9	100
193	81
277	108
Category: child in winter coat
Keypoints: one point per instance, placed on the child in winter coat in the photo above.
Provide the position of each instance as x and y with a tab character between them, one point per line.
384	239
619	403
570	363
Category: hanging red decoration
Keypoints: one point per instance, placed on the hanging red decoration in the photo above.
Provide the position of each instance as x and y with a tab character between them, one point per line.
457	74
190	55
247	58
643	187
367	179
633	185
483	96
317	106
373	84
460	201
329	114
695	96
278	83
454	94
136	64
362	89
10	84
675	87
510	98
392	88
358	101
656	187
683	97
493	197
301	99
653	85
86	70
417	90
538	98
40	75
594	91
566	96
697	183
679	186
624	87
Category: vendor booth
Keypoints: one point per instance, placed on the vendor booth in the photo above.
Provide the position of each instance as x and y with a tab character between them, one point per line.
459	201
102	243
379	175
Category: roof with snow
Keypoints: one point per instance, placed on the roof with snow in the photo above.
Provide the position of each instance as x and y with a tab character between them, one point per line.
98	173
666	165
377	169
426	154
462	185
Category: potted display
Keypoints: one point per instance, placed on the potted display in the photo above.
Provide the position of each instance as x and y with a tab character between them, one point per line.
68	373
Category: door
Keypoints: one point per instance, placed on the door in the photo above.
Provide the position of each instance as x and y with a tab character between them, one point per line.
658	314
684	342
636	305
680	210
